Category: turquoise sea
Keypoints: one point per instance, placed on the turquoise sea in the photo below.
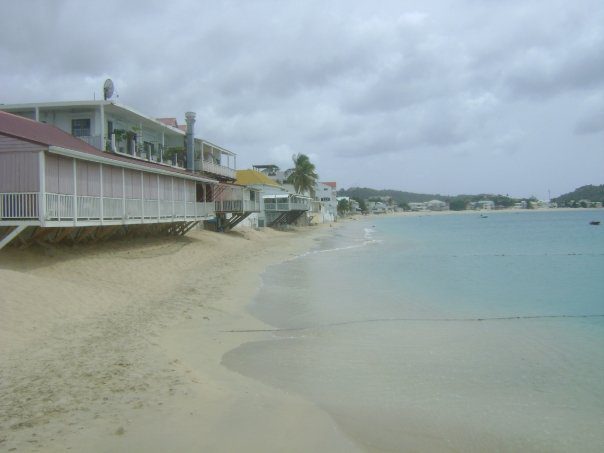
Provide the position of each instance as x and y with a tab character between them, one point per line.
444	332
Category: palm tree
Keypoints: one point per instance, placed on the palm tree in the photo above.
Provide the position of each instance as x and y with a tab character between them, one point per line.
303	175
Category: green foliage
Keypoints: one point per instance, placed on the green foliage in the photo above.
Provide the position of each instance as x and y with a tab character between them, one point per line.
173	151
403	199
590	192
398	197
362	204
457	204
303	176
343	206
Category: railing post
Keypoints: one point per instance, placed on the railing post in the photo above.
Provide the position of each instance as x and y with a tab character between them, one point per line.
42	191
123	195
158	202
184	182
142	198
101	210
75	193
172	184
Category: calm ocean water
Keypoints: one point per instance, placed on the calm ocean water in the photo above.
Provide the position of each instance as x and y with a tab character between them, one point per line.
450	332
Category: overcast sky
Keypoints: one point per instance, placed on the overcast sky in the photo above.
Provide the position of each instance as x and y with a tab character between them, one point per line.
447	97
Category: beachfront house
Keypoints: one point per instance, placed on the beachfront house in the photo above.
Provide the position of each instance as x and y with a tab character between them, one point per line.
325	205
54	186
482	205
119	130
437	205
279	204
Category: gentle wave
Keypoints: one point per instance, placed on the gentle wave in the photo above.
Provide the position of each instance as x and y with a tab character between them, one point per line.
376	320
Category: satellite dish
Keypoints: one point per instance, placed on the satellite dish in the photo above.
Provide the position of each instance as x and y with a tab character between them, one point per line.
108	88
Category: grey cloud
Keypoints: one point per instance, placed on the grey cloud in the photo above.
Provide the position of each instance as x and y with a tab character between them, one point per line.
350	81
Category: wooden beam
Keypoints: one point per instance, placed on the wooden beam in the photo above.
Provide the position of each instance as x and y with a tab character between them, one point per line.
12	235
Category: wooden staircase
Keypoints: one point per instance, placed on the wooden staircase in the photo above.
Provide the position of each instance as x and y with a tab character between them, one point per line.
286	218
225	224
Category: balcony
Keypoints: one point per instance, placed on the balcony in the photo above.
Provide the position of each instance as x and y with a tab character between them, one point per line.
214	168
237	206
93	140
286	203
18	208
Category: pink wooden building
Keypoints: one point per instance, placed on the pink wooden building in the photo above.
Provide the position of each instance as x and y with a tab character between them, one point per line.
55	186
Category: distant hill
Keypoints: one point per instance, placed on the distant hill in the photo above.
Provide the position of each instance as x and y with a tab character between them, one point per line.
591	193
401	198
364	193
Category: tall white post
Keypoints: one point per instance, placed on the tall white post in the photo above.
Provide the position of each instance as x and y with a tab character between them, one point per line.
172	190
142	198
124	214
184	182
158	202
163	144
101	207
42	191
102	144
75	192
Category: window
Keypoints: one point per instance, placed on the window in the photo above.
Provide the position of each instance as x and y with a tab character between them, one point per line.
80	128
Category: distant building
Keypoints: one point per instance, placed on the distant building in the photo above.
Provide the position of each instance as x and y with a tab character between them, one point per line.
279	204
325	206
482	204
437	205
377	207
418	206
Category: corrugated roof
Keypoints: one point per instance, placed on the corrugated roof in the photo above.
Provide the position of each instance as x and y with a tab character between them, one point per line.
168	121
253	177
45	134
33	131
332	184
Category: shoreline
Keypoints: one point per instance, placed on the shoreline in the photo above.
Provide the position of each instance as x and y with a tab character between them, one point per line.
94	362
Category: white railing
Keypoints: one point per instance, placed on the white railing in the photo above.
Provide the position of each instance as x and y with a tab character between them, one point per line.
134	208
89	208
190	209
113	208
61	207
93	140
217	169
237	206
151	209
18	206
165	209
179	209
229	206
285	206
249	205
204	209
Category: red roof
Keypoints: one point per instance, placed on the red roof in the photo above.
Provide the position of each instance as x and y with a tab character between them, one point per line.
168	121
45	134
32	131
331	184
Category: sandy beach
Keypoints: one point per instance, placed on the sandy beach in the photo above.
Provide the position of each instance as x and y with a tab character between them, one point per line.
118	347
